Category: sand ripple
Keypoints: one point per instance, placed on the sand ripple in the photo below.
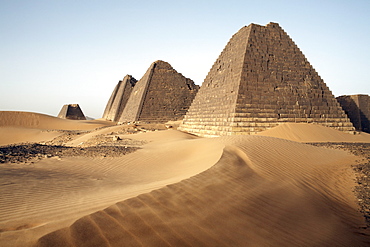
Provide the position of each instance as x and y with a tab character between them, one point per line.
262	192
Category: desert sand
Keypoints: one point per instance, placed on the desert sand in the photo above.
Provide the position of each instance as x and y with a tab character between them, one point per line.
18	127
301	132
176	189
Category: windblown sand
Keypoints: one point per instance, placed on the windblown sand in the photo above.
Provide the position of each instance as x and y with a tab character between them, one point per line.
17	127
178	189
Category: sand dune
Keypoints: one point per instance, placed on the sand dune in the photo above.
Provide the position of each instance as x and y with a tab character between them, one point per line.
42	121
19	127
110	131
11	135
248	198
60	191
302	132
182	190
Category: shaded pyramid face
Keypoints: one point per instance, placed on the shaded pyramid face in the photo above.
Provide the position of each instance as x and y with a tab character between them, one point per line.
261	79
161	95
357	107
71	111
119	98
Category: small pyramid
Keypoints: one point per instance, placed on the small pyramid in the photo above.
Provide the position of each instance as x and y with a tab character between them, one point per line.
71	111
261	79
118	99
357	107
161	95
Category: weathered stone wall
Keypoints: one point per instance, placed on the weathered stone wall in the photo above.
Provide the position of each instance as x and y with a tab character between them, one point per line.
134	104
161	95
71	111
168	96
108	107
357	107
271	82
363	102
119	98
212	108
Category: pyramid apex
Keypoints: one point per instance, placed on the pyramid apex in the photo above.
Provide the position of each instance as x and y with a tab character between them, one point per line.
159	61
273	25
162	64
128	77
270	24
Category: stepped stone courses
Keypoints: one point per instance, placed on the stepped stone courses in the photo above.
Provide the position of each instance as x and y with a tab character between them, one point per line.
261	79
357	107
161	95
71	111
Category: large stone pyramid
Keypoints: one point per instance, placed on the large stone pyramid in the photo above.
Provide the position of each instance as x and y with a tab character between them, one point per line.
261	79
161	95
71	111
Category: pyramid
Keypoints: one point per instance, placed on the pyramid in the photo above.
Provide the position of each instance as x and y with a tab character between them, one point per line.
118	99
357	107
260	80
161	95
71	111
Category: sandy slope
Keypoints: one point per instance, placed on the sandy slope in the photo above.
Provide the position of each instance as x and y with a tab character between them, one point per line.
182	190
11	135
42	121
262	192
302	132
53	193
18	127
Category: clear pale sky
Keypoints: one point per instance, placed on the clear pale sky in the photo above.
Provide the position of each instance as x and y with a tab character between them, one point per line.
75	51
